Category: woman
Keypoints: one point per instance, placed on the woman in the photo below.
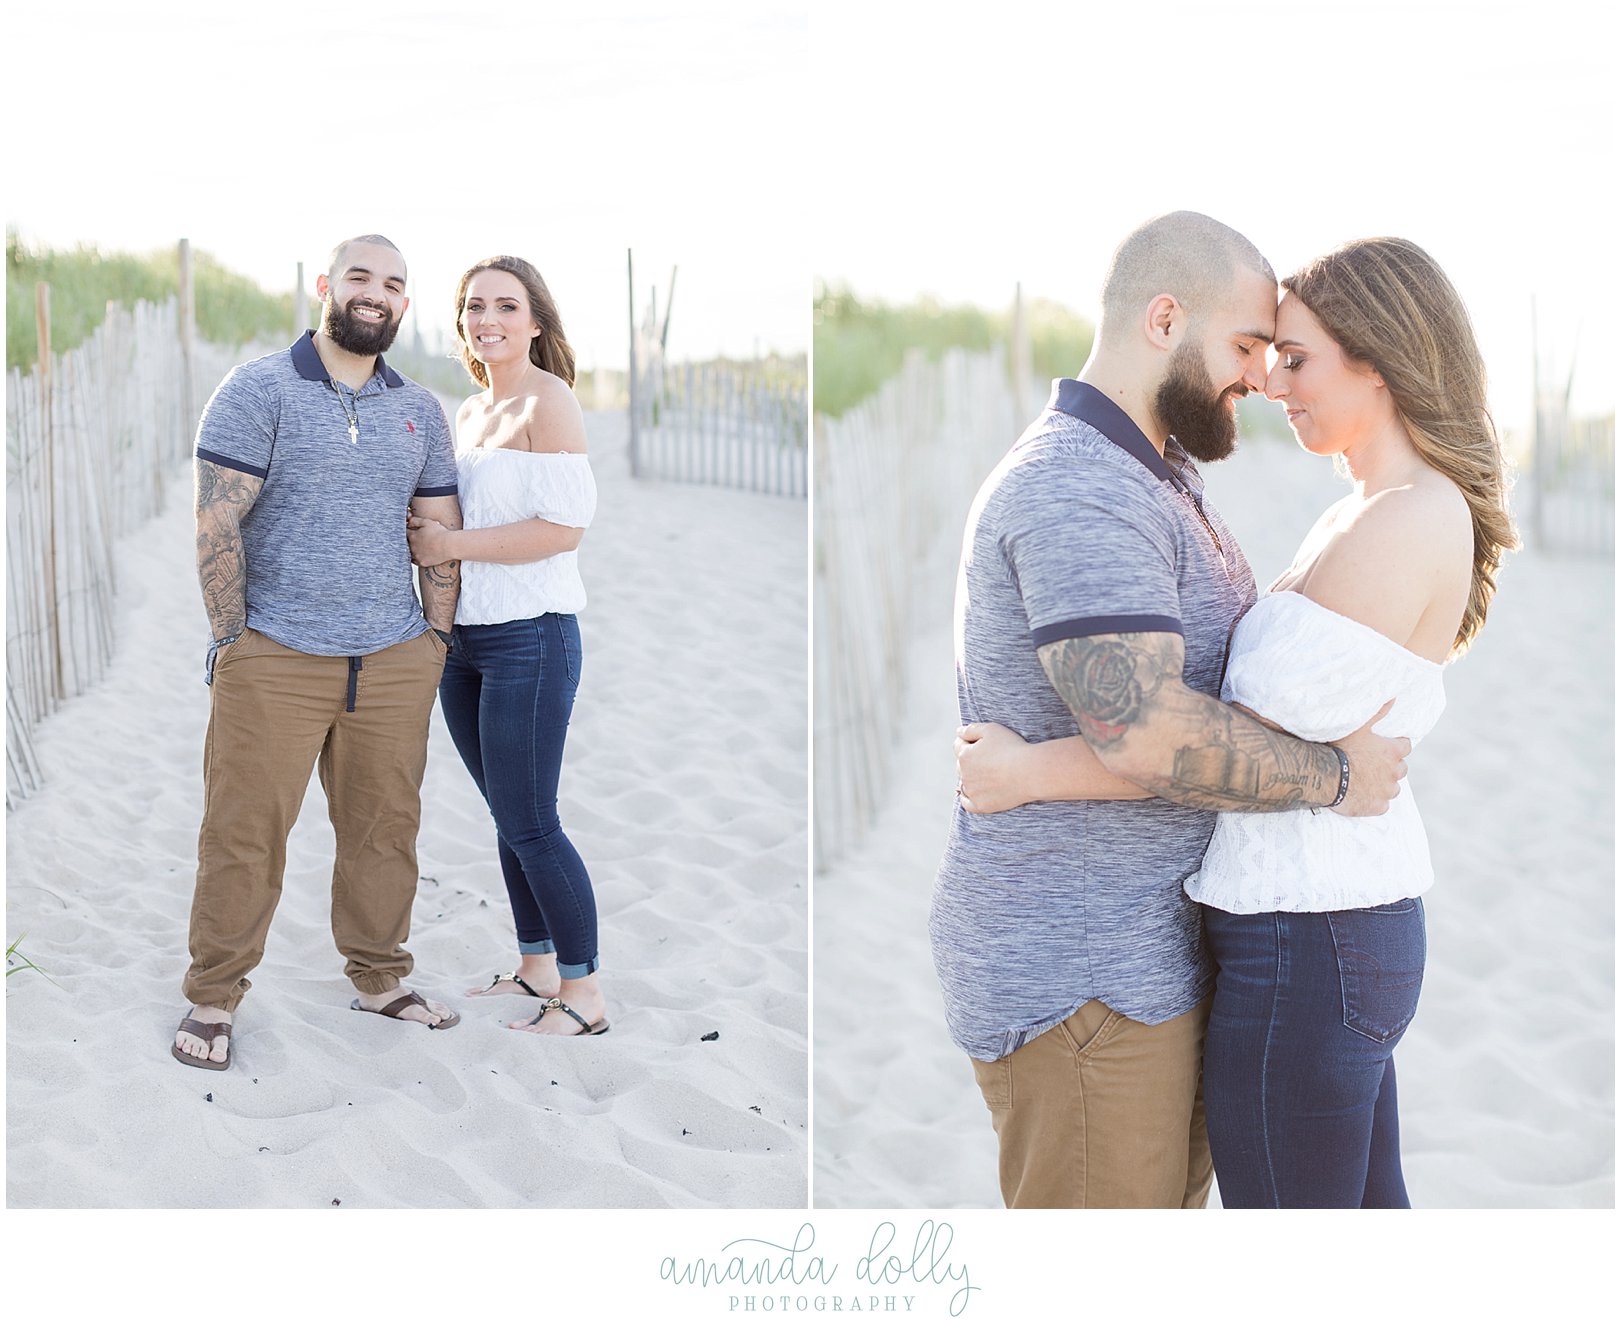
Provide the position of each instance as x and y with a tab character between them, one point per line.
526	495
1314	919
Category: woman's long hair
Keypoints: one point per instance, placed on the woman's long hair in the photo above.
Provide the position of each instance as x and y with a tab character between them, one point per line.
1387	304
548	349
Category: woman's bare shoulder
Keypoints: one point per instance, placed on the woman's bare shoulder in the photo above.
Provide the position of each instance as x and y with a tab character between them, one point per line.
552	419
1428	516
1394	556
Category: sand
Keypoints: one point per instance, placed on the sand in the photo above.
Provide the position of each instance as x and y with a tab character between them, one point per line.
1507	1072
684	790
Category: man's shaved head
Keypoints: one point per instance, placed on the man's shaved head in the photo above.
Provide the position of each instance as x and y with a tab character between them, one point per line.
1188	255
341	250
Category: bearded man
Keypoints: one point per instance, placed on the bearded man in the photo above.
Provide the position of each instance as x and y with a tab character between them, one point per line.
1098	590
308	462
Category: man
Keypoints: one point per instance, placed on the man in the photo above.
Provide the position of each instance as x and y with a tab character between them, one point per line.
1098	591
307	464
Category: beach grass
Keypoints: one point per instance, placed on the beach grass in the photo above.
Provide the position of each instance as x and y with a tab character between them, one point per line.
859	344
16	961
231	308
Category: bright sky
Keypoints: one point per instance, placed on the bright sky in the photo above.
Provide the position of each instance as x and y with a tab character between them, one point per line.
563	133
1018	143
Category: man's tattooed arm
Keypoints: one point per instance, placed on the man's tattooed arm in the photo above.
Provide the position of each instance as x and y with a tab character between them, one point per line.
441	585
224	496
1127	695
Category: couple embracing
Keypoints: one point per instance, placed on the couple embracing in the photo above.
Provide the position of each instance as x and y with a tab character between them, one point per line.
1178	924
322	474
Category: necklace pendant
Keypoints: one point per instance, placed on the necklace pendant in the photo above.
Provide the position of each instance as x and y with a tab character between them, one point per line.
354	433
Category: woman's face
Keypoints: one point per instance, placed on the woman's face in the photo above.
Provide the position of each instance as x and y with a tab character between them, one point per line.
495	318
1332	403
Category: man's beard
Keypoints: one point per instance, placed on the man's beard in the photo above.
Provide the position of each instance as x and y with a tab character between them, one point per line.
1187	408
362	338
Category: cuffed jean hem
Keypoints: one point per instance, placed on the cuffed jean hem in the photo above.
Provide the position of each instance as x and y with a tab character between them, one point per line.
536	947
375	982
578	970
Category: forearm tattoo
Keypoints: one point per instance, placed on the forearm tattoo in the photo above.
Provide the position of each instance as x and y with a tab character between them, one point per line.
223	497
441	585
1127	688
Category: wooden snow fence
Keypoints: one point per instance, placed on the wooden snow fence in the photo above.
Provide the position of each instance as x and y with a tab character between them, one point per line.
91	437
720	424
1566	499
894	479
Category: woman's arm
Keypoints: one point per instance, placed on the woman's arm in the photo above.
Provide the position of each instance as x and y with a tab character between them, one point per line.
551	423
528	541
999	770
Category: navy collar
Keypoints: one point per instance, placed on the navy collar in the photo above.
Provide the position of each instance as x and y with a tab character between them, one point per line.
307	362
1090	404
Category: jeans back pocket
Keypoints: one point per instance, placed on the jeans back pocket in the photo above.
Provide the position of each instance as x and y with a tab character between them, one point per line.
1380	951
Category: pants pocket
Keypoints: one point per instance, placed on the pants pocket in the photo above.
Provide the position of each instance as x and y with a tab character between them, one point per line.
1089	1027
1380	952
566	634
995	1082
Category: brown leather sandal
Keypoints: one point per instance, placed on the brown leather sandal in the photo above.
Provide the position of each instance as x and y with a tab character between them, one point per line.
207	1031
401	1003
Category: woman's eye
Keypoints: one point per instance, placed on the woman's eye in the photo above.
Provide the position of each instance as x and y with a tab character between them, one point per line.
1292	361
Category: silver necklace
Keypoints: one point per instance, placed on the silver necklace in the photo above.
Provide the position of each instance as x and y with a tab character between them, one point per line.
353	418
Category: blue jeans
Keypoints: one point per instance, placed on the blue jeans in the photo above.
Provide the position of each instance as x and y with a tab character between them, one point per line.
1299	1079
507	692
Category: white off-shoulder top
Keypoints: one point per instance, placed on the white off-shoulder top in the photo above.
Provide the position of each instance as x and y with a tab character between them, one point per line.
498	486
1321	675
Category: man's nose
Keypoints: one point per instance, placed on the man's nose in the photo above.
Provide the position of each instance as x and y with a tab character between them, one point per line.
1255	375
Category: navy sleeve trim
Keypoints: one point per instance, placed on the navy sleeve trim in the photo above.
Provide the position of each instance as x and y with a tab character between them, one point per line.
235	464
434	492
1103	625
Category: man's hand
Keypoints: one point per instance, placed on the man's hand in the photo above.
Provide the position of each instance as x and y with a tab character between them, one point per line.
1378	765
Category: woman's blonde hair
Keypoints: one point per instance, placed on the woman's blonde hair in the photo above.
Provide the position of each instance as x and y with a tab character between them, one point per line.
548	350
1387	304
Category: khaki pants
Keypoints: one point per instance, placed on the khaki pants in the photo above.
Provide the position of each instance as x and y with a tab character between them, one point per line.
1102	1112
276	713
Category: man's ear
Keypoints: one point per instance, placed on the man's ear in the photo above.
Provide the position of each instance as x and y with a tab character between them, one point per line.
1164	320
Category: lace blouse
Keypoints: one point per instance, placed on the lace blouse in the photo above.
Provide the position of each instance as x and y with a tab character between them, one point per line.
1321	675
498	486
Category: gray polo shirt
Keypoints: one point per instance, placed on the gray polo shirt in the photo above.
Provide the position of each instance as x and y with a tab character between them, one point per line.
1081	530
329	570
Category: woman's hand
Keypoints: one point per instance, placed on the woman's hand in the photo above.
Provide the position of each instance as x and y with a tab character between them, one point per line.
988	778
429	541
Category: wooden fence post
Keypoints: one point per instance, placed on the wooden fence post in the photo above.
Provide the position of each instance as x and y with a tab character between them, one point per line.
630	380
47	389
188	340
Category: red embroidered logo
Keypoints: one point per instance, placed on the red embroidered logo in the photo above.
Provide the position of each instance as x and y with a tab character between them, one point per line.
411	428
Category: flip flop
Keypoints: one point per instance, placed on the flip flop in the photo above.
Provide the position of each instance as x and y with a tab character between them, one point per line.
401	1003
586	1027
203	1030
515	978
